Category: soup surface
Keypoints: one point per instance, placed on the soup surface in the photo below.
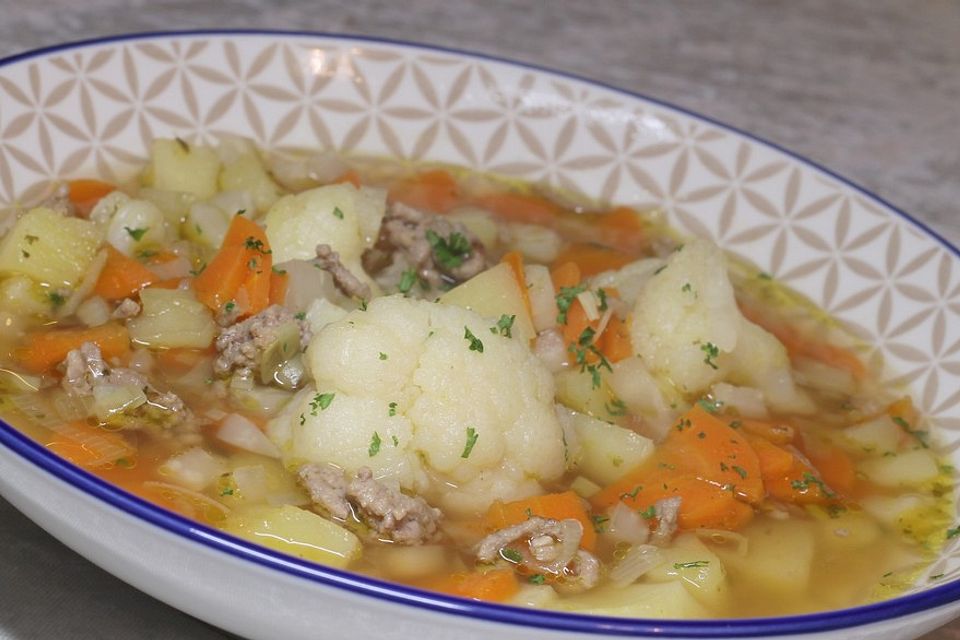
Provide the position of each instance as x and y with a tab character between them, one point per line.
462	383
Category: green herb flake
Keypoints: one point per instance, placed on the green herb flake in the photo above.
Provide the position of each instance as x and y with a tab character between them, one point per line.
616	407
511	555
919	436
537	578
696	564
56	299
475	344
337	213
763	275
392	409
320	402
383	356
565	298
256	245
711	353
396	441
953	532
472	437
632	494
279	272
686	288
407	279
138	233
363	304
602	296
450	252
600	522
303	419
374	448
30	238
300	315
659	270
504	326
709	405
586	336
183	144
740	471
226	491
810	479
649	513
230	306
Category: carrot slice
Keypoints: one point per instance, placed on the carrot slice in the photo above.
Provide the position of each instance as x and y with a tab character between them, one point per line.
88	446
565	275
122	276
559	506
518	207
436	190
240	272
498	585
615	341
349	177
278	287
593	259
85	194
623	228
43	350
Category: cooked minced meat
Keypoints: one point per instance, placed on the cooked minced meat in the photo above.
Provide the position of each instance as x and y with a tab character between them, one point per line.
163	414
126	309
240	346
413	239
390	514
348	284
545	545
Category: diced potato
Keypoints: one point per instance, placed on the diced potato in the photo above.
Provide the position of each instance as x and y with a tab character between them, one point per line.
575	390
641	600
583	487
479	223
178	166
878	436
906	469
534	596
296	532
608	451
778	558
543	301
172	318
408	563
893	509
205	224
493	293
847	531
689	561
23	295
50	248
245	172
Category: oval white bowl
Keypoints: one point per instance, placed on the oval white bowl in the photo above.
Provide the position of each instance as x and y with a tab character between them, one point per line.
91	108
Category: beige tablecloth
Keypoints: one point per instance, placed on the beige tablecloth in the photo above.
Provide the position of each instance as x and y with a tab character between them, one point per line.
871	89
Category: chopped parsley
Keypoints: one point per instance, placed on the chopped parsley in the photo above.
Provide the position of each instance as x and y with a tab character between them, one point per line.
256	245
810	479
602	296
657	272
919	436
616	407
374	445
230	306
740	471
649	513
449	252
183	144
504	326
279	272
303	419
537	578
696	564
763	275
511	555
320	402
396	441
226	491
710	406
30	238
472	437
407	279
711	352
599	522
383	356
301	315
953	532
686	288
632	494
138	233
565	298
475	344
337	213
392	409
56	299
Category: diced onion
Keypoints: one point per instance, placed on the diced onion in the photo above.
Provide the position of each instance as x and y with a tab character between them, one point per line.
86	285
94	311
70	407
589	302
251	482
189	501
626	525
108	450
543	301
638	560
194	469
109	399
244	434
179	267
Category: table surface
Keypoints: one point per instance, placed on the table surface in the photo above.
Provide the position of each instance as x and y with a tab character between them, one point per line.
870	89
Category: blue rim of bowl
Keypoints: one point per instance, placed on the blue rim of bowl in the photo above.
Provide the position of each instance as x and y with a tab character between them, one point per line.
599	625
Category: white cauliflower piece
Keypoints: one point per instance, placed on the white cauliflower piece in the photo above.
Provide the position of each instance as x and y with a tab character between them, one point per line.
415	404
688	329
340	215
130	224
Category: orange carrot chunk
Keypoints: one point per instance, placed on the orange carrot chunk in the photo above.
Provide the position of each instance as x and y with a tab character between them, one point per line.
518	207
122	276
240	272
85	194
498	585
435	191
43	350
593	259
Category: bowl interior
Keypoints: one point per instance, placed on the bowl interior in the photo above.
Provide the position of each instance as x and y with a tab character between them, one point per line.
92	109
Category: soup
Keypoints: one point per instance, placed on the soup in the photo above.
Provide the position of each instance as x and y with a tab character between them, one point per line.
465	384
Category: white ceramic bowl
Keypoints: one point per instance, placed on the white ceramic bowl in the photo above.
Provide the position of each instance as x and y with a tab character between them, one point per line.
91	108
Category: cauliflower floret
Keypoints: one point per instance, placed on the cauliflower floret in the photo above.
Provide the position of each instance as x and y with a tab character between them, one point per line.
688	329
340	215
130	224
412	401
